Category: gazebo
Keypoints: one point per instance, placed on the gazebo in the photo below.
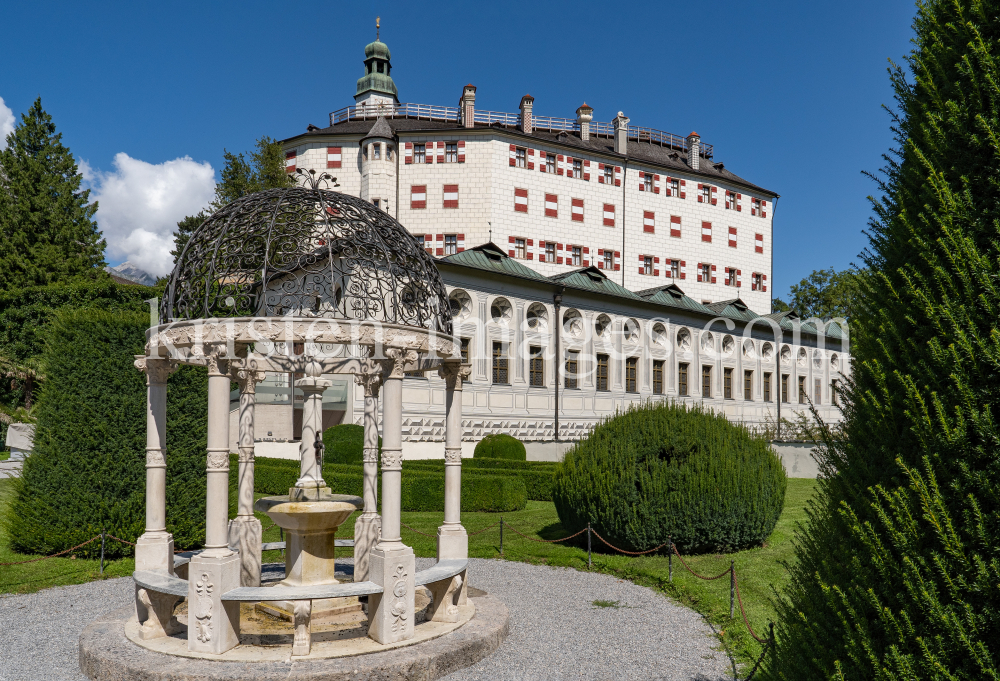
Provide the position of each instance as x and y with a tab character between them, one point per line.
315	282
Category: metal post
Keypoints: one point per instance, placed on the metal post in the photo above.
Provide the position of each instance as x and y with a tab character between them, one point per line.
732	588
589	561
670	559
102	551
501	536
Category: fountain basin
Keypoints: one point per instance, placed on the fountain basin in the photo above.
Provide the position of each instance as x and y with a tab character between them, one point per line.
323	515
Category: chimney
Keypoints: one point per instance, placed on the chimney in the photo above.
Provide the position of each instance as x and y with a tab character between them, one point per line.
467	106
584	115
694	150
527	124
621	133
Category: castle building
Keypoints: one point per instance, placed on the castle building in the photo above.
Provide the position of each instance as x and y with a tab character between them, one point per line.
653	258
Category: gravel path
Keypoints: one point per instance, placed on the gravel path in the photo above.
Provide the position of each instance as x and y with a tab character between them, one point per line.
556	632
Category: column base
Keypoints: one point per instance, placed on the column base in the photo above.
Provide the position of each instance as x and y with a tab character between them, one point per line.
245	534
452	542
367	531
155	551
213	625
390	613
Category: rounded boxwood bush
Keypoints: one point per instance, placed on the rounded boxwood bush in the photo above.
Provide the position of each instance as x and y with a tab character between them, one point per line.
500	446
667	470
345	443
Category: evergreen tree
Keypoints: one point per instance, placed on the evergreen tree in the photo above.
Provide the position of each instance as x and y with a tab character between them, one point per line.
898	571
185	228
47	231
264	170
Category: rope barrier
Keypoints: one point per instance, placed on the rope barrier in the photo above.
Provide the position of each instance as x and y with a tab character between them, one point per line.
707	579
544	541
743	612
411	529
472	534
54	555
631	553
111	536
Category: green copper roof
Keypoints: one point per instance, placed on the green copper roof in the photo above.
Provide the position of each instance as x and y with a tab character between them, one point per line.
489	257
376	57
592	279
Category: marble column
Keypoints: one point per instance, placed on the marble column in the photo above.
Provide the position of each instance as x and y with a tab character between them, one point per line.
310	485
452	539
245	531
154	550
368	526
392	564
214	625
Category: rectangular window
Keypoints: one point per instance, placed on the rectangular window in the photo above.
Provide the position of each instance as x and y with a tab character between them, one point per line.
675	269
747	385
631	366
572	369
609	174
451	196
784	388
377	203
675	187
647	182
609	259
500	376
577	252
727	383
706	380
520	249
647	264
834	386
767	387
657	376
536	367
376	152
755	207
419	153
757	282
682	379
451	152
521	200
817	392
601	377
551	206
521	157
730	276
577	208
550	163
803	398
577	169
609	215
450	244
706	194
418	196
465	355
648	221
706	273
550	252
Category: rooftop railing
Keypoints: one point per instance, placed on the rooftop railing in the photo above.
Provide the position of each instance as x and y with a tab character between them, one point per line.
431	112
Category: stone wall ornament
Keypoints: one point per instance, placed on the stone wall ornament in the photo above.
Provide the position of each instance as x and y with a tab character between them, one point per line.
155	457
203	608
452	456
399	604
218	461
392	460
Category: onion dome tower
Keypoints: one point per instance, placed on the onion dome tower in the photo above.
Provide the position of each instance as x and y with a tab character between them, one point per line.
376	88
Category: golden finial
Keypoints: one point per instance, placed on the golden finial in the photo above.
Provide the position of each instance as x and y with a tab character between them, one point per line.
376	27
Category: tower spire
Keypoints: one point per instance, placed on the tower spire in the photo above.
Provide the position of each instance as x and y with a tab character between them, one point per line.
377	19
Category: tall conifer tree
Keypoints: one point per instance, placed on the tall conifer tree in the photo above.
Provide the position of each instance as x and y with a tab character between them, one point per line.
47	231
898	571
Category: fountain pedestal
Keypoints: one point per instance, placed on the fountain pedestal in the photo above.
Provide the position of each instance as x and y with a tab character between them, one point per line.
310	528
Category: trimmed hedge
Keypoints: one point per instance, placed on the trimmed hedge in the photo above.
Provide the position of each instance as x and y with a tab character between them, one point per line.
421	490
345	444
668	470
500	446
87	471
537	481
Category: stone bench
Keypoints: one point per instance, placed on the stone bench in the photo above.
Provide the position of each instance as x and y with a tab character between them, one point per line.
446	580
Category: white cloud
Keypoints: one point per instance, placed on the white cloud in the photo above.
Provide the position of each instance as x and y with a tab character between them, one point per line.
6	123
139	205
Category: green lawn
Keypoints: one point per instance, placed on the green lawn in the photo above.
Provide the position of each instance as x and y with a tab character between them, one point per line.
759	570
4	454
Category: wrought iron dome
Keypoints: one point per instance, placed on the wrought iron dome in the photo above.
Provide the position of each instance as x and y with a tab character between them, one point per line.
306	252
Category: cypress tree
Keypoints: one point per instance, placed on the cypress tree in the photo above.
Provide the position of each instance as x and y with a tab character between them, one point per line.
898	571
47	231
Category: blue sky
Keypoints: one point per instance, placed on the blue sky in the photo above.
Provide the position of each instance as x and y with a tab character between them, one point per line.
148	94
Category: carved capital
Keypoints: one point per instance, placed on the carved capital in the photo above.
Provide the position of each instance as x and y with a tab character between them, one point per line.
370	378
395	364
156	369
218	361
392	460
454	373
244	372
245	455
371	455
